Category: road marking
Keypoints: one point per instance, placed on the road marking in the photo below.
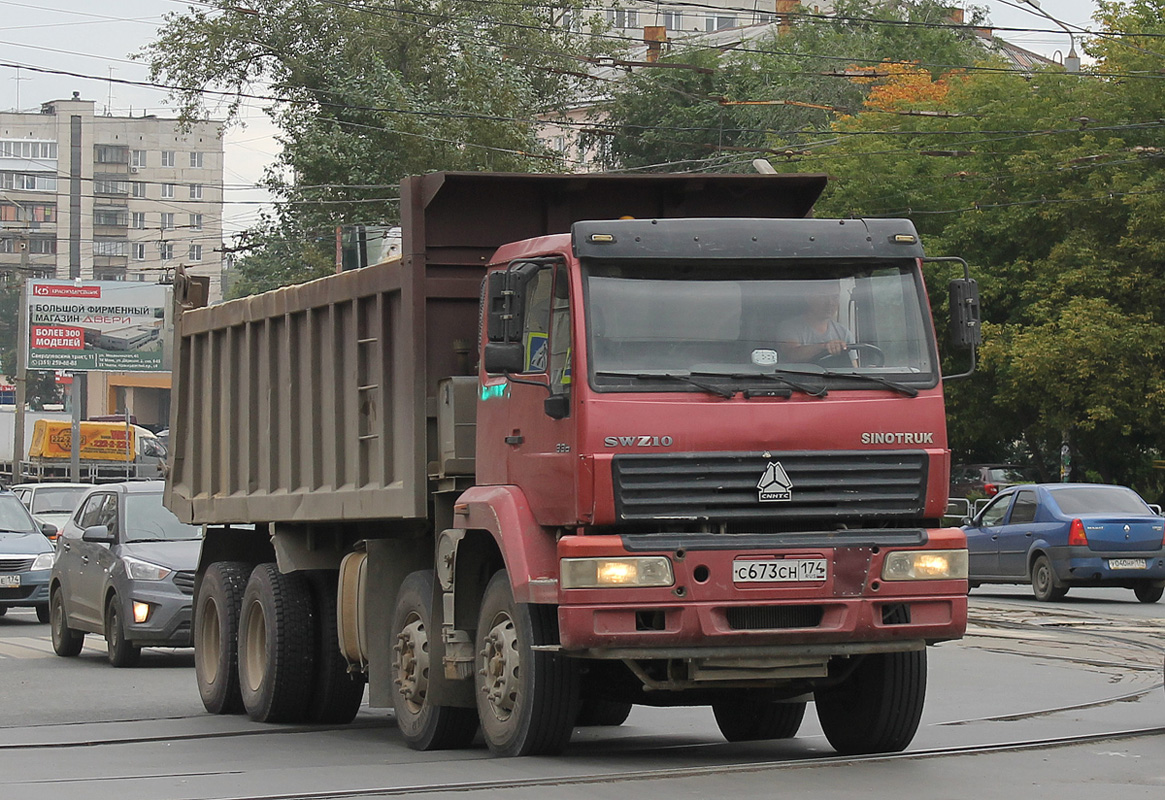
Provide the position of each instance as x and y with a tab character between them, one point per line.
42	646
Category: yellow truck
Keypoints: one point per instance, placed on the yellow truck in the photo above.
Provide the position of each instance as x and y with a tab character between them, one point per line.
108	450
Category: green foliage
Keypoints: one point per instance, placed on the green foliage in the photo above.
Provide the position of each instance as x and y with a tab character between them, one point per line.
274	259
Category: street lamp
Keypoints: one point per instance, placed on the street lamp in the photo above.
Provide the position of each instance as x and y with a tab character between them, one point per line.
1072	61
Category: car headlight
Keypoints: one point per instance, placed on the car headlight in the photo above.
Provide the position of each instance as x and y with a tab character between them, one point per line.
925	565
600	573
143	570
43	561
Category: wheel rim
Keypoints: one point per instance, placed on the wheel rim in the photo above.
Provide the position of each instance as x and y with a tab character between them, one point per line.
113	626
208	643
254	663
500	667
1043	578
57	615
412	663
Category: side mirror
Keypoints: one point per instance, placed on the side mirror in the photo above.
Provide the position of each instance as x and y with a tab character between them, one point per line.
98	534
557	406
506	301
503	357
49	530
966	328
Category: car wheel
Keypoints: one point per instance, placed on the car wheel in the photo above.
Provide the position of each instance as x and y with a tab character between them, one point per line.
1148	593
338	693
877	708
66	641
3	610
423	725
216	636
744	718
1044	584
527	699
276	645
42	613
121	651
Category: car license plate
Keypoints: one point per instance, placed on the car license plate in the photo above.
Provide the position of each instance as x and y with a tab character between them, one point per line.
1127	563
9	581
779	570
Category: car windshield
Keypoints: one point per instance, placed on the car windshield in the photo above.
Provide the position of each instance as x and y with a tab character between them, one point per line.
14	516
56	499
731	322
146	519
1099	500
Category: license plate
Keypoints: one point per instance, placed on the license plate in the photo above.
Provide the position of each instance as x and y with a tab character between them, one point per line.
9	581
1127	563
779	570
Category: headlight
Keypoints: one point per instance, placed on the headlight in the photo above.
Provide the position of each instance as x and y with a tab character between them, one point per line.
43	561
144	570
925	565
599	573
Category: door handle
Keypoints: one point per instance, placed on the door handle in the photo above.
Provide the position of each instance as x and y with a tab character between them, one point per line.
66	546
84	559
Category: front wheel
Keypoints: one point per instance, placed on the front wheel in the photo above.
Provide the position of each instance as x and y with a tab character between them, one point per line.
745	719
42	613
276	645
423	725
1044	585
121	651
527	699
878	706
1148	593
216	636
66	641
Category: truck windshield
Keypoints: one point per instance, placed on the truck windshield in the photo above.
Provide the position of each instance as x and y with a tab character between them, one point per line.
839	320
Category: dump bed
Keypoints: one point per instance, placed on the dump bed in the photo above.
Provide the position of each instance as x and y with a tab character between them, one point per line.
312	403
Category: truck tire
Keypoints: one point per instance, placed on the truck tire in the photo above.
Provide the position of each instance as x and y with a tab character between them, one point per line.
744	719
527	700
121	651
338	693
877	708
593	713
1044	585
276	646
216	636
67	641
423	725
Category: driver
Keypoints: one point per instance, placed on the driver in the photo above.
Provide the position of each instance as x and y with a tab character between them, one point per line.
815	334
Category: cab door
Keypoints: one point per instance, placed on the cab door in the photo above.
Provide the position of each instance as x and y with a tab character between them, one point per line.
1016	537
983	539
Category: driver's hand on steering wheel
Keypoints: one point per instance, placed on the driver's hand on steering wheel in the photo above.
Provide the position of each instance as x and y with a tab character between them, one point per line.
834	346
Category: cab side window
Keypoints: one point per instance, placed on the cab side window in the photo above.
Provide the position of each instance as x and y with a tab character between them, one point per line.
89	513
1024	509
536	326
993	515
107	516
560	347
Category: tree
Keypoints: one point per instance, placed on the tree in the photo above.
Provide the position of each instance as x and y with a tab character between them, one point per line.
40	387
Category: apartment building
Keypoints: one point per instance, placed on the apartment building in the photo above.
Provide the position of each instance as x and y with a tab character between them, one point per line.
108	198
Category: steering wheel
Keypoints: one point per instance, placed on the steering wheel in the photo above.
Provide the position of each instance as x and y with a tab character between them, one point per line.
874	354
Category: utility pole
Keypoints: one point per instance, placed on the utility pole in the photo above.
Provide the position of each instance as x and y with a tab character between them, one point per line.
18	451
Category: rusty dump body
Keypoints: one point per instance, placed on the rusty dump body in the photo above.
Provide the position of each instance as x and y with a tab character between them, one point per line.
313	403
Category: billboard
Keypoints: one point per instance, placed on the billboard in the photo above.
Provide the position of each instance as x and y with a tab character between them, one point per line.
96	325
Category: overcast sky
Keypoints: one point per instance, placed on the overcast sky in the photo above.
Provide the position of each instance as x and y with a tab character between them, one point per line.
95	39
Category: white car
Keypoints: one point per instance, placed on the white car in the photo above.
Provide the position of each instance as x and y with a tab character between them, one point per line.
51	502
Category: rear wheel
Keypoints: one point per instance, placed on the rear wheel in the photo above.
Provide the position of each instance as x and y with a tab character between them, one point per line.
66	641
1148	593
877	708
338	693
424	726
121	651
527	699
276	645
744	719
216	636
1044	584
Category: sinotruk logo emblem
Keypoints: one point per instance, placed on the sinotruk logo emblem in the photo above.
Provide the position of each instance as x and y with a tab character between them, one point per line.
774	486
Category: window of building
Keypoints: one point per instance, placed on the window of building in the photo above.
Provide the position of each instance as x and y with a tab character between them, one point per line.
719	22
40	245
623	17
167	221
9	213
137	158
28	148
110	186
167	191
167	158
196	191
196	159
109	276
139	220
195	222
110	247
166	250
110	216
673	20
195	252
111	154
42	212
138	189
139	251
29	181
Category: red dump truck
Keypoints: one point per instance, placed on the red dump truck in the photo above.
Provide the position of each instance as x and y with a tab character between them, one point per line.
592	441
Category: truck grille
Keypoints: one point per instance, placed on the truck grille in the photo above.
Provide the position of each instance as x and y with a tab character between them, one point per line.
724	486
16	563
184	581
754	618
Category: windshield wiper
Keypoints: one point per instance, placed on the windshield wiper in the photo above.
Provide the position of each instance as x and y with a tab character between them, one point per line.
909	391
719	391
780	376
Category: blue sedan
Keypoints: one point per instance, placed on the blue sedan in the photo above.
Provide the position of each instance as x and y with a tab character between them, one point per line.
1059	535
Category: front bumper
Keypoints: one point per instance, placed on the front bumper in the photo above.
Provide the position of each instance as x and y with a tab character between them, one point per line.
853	610
168	623
33	590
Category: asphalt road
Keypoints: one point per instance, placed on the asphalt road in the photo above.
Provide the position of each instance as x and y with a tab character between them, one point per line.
1058	700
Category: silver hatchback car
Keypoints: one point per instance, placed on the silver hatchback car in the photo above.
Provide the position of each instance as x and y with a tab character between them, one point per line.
124	570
